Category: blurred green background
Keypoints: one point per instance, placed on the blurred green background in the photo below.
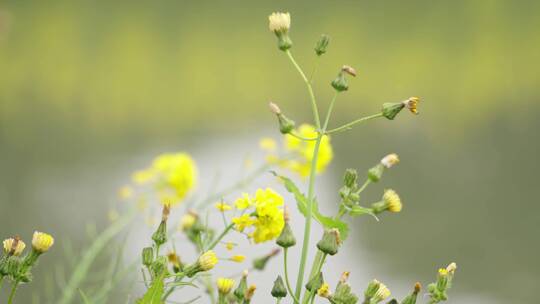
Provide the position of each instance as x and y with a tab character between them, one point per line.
86	87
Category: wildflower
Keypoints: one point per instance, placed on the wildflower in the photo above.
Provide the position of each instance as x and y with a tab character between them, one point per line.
279	290
324	291
222	206
125	192
173	175
14	246
376	292
391	110
280	23
224	285
242	222
302	151
269	218
42	242
160	235
343	293
242	202
315	283
390	201
286	125
382	293
340	83
238	258
286	239
411	104
411	299
240	291
451	268
174	260
330	242
250	292
322	44
390	160
260	263
188	221
206	262
267	144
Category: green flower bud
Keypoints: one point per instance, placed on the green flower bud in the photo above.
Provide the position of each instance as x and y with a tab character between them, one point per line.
315	283
322	44
371	290
284	41
286	125
391	109
343	294
240	291
279	23
350	178
411	299
375	173
160	236
330	242
286	239
147	256
260	263
13	265
340	83
279	290
159	266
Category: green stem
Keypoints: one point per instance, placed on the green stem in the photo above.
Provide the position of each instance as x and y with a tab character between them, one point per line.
318	267
354	122
310	90
220	237
315	68
287	276
366	183
301	137
307	227
12	293
1	281
330	108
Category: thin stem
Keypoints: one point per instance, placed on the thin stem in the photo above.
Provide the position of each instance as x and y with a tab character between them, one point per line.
354	122
307	227
309	297
220	237
301	137
12	293
366	183
315	67
330	108
310	90
286	272
1	281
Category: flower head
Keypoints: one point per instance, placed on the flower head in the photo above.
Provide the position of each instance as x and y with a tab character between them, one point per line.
238	258
208	260
412	104
279	22
225	285
242	202
302	151
392	200
382	292
188	221
390	160
14	246
222	206
41	242
324	290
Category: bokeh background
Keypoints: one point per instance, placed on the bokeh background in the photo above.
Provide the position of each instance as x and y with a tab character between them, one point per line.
91	90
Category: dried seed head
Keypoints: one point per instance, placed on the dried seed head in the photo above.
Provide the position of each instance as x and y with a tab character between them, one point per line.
274	108
349	70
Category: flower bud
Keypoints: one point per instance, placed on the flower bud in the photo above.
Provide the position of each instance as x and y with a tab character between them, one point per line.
286	239
411	104
249	293
349	70
260	263
13	265
224	285
147	256
343	292
391	109
279	290
174	260
160	236
315	283
280	23
340	83
240	291
382	293
390	160
286	125
375	173
390	202
159	266
41	242
411	299
324	291
350	178
206	262
322	45
14	246
372	288
330	242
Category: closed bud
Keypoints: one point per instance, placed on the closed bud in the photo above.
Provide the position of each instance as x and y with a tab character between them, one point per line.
350	178
349	70
279	23
343	293
286	239
375	173
274	108
224	285
340	83
324	291
391	109
147	256
160	236
249	293
330	242
279	290
286	125
159	266
322	45
371	290
411	299
240	291
315	283
13	265
260	263
174	260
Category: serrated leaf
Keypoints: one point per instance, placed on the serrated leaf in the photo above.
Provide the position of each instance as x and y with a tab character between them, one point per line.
302	203
155	292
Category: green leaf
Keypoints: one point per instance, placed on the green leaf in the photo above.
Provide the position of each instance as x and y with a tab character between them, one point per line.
302	203
155	292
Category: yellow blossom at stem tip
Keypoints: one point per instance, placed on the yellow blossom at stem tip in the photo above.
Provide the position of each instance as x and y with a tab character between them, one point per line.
238	258
222	206
42	242
225	285
14	246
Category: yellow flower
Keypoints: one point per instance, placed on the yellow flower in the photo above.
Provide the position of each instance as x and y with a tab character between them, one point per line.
269	222
225	285
230	245
412	104
382	293
125	192
451	268
242	202
238	258
279	22
267	144
390	160
208	260
41	242
222	206
242	222
324	290
392	200
250	292
14	246
443	272
187	221
303	151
